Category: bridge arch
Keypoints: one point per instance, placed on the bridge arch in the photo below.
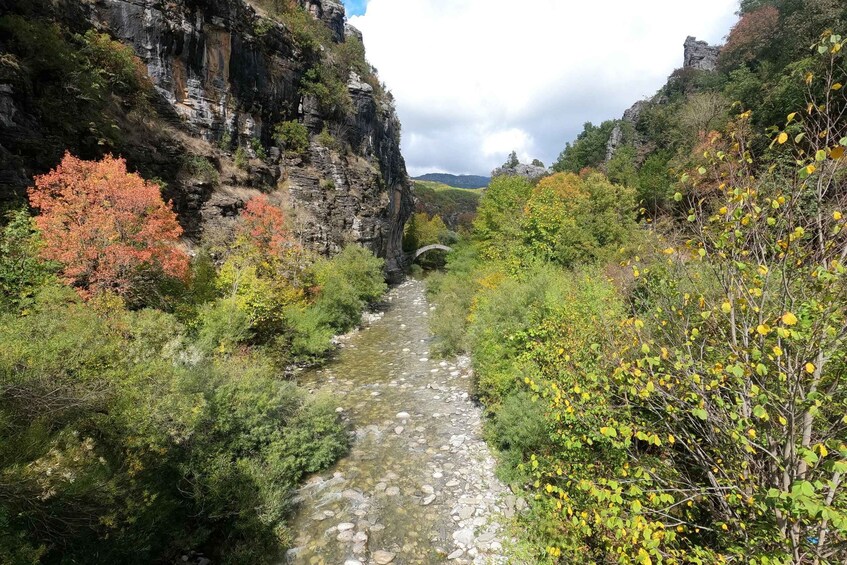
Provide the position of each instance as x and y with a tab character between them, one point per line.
429	248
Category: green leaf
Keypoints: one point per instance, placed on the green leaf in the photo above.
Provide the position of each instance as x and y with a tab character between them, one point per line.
700	413
820	155
760	412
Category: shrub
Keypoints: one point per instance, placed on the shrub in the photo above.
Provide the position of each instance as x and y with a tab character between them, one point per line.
116	63
201	169
242	159
328	140
292	136
329	88
120	440
454	293
22	271
258	149
348	282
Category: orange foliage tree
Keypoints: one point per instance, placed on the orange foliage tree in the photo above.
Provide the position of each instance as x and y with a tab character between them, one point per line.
752	34
109	229
264	224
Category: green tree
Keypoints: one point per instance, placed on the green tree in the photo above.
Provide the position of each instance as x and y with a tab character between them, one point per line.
588	151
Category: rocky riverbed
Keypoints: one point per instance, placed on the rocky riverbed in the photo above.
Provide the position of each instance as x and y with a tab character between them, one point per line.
418	485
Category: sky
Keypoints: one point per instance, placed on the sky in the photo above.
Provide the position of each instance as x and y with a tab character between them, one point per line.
475	79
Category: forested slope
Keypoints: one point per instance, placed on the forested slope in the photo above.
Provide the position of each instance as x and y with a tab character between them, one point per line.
659	339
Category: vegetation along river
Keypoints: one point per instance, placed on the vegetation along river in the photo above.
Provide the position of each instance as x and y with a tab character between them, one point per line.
418	485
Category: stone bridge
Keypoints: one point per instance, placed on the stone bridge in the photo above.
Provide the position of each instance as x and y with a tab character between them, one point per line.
428	248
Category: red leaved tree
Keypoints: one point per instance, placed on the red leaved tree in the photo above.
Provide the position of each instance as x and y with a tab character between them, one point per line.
752	35
264	224
109	229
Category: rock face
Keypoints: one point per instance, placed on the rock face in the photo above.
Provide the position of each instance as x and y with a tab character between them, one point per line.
700	55
224	75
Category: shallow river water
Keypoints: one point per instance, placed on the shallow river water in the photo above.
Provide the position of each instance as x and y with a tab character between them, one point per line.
418	485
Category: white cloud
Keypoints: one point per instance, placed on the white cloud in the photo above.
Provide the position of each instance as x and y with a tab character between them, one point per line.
474	79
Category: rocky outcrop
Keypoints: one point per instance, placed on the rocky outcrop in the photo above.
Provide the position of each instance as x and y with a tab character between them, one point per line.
700	55
627	122
697	56
331	13
224	75
531	172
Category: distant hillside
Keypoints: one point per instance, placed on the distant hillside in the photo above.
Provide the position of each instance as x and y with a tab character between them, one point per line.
456	206
457	181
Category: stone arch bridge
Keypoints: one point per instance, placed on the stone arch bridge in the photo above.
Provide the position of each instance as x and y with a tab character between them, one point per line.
436	246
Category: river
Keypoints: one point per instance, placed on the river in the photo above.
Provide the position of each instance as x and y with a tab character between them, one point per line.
418	485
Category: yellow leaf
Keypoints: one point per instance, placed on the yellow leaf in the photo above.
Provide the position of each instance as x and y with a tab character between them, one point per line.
811	169
823	450
763	329
726	307
791	116
782	420
777	350
837	153
810	368
836	216
789	319
837	86
783	137
671	439
809	78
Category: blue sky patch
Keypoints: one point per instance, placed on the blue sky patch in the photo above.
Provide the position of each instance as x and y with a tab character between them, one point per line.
355	7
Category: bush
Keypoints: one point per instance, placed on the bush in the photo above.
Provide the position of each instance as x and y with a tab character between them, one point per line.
328	140
121	440
201	169
21	270
348	282
242	159
292	136
329	88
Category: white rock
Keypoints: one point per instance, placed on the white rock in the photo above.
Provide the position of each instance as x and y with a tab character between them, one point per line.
464	537
381	557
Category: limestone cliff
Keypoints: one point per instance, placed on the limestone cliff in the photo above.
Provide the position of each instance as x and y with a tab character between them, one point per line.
223	74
